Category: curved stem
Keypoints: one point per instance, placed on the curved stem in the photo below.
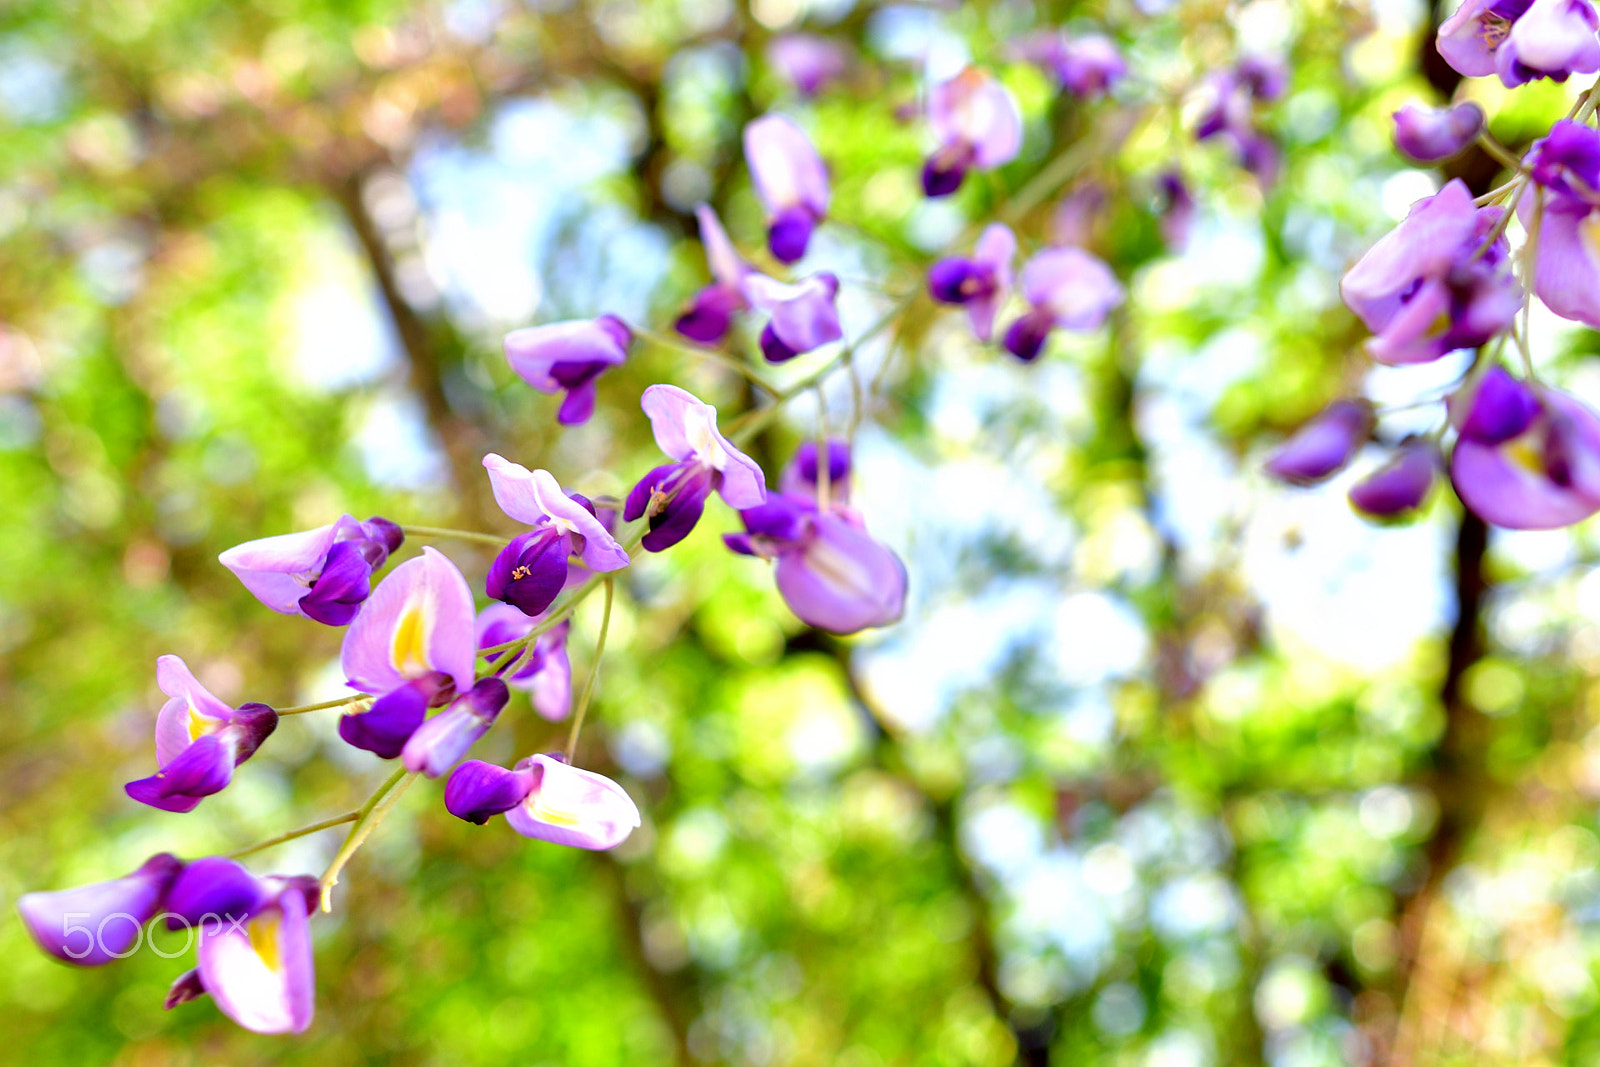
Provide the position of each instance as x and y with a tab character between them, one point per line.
301	709
738	366
444	532
337	820
594	672
367	818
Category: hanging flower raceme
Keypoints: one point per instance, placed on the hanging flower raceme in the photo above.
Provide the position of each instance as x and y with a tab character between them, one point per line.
804	315
1566	167
440	742
254	950
531	570
544	671
412	646
199	741
1323	446
808	62
95	924
978	126
1068	288
568	357
674	495
711	313
830	571
323	574
1435	283
791	181
544	798
1527	457
1087	66
1522	41
1400	486
982	282
1429	134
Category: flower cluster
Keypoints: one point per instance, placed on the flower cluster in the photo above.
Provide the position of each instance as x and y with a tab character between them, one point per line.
1520	453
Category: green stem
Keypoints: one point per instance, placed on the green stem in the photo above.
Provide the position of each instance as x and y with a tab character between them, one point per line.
341	702
1500	152
594	672
443	532
367	818
738	366
337	820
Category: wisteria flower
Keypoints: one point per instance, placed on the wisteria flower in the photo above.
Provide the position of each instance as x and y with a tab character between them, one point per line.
1566	165
1552	39
808	62
790	180
802	476
1229	112
323	574
1434	284
1068	288
1323	446
1177	208
804	315
545	672
257	967
830	571
1527	458
1400	486
418	622
982	282
978	125
674	495
569	356
531	570
711	312
544	798
95	924
199	741
441	741
1429	134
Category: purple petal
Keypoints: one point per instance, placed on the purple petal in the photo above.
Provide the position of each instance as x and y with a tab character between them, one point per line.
1423	246
1324	445
385	727
975	110
1429	134
680	512
535	497
785	168
214	887
191	713
808	62
710	315
478	791
842	580
95	924
1026	337
530	571
261	973
445	738
533	352
1500	408
417	621
727	268
804	316
686	429
800	476
1568	274
1090	66
1464	42
1399	486
336	595
204	768
186	987
789	233
569	806
1076	288
279	570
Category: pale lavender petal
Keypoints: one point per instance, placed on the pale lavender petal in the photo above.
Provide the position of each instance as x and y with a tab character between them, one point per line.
996	248
1462	41
685	428
261	973
418	620
534	497
534	350
1568	276
569	806
804	315
726	265
278	570
95	924
842	580
1075	287
1424	245
976	110
191	713
785	167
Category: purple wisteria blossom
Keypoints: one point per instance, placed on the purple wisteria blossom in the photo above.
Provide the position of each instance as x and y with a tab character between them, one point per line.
569	356
1323	446
95	924
830	571
674	495
1566	166
1229	112
542	797
1087	66
1522	41
802	477
1429	134
804	316
323	574
257	966
790	180
982	282
199	741
1068	288
1400	486
1434	283
545	673
440	742
978	126
711	313
807	61
1527	457
531	570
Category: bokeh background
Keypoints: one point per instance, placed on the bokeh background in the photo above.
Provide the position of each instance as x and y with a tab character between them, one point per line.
1165	766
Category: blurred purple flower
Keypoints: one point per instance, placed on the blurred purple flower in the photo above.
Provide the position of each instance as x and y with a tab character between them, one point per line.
807	61
545	672
1429	134
1566	164
978	125
982	283
1323	446
804	316
1400	486
711	313
95	924
569	356
790	180
1068	288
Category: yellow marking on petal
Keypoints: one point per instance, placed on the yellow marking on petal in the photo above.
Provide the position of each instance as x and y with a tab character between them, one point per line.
264	940
409	653
1524	454
200	724
1589	234
554	816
